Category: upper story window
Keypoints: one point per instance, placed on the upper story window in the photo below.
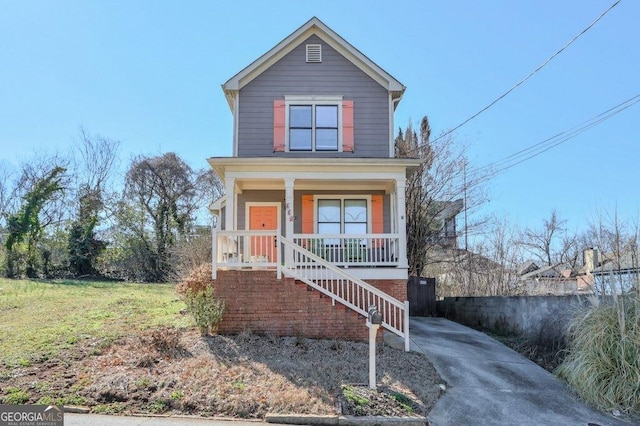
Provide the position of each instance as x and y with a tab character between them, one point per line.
313	124
313	127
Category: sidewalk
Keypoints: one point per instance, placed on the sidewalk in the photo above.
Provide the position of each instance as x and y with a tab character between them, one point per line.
71	419
490	384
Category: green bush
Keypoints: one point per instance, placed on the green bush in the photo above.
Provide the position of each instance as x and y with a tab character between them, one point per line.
16	396
205	308
603	359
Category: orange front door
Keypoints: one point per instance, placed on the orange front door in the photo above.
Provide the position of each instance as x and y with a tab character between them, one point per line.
263	218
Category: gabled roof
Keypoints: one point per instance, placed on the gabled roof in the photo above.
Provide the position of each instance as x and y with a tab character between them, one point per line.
312	27
544	272
527	267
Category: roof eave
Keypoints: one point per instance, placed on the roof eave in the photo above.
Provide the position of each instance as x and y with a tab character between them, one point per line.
219	164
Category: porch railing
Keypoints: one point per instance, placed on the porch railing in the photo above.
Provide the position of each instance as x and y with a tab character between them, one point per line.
346	289
244	249
259	249
352	249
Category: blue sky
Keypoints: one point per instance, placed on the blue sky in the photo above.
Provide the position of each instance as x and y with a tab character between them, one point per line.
148	73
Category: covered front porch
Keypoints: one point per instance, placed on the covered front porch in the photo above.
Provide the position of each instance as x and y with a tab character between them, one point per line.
350	214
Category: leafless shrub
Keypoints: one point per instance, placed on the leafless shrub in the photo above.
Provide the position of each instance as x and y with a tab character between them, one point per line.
197	280
167	342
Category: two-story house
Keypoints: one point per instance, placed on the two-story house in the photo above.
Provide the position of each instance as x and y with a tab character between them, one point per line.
315	199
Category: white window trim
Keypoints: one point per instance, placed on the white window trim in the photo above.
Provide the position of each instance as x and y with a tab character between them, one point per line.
341	197
313	101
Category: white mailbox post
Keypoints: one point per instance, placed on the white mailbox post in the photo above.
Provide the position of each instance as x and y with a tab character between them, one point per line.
374	319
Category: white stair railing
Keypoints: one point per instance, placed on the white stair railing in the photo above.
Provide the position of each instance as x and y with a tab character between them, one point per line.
345	288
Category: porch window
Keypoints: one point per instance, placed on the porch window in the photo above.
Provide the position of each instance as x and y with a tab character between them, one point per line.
355	216
313	127
342	216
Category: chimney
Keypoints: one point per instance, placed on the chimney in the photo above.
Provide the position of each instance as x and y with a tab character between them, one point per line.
590	258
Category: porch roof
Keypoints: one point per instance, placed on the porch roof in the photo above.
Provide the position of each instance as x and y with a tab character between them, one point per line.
314	168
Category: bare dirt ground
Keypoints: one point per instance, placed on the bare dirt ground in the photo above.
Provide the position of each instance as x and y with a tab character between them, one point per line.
180	372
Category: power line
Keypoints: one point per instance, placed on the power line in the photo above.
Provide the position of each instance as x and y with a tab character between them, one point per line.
484	173
518	84
549	141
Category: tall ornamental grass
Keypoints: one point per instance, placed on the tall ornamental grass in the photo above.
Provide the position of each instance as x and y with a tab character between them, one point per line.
603	360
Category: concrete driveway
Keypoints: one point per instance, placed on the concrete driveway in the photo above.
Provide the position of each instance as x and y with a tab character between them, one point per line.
490	384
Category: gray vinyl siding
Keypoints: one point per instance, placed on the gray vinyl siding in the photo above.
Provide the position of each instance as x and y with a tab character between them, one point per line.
335	75
256	196
222	219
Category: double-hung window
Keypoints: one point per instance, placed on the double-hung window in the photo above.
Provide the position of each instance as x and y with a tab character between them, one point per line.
313	127
313	123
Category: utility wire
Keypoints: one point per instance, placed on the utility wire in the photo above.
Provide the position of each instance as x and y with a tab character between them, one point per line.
487	172
620	107
518	84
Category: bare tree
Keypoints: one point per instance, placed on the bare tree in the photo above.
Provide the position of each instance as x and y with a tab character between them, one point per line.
98	157
488	268
436	188
162	196
95	163
543	242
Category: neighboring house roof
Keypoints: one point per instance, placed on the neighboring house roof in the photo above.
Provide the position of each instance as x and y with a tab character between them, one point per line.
462	256
450	209
629	263
544	272
312	27
527	267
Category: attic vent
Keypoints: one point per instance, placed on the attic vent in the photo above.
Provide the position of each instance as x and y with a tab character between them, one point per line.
314	53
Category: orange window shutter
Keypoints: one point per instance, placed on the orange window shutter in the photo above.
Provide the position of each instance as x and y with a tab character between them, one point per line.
278	125
377	214
307	214
347	126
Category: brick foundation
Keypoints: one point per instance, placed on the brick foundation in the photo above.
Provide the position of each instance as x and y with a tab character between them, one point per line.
259	302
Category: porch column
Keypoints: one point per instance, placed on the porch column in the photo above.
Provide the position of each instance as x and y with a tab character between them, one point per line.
214	246
289	218
401	215
230	211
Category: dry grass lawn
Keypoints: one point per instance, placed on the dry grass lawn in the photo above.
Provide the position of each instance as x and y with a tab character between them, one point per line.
131	361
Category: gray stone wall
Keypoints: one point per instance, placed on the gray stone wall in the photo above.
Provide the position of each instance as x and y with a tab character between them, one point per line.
534	317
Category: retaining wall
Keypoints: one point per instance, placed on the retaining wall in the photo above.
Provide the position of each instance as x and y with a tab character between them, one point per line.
529	316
